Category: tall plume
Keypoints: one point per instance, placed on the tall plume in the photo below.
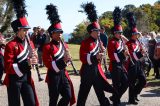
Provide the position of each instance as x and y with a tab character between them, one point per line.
52	14
89	9
19	7
131	19
117	16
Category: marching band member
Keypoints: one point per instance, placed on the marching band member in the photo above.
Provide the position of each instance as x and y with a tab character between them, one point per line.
117	55
17	61
136	75
56	58
90	55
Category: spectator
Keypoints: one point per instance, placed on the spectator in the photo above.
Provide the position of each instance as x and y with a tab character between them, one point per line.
144	39
151	48
2	46
157	56
103	37
41	38
34	36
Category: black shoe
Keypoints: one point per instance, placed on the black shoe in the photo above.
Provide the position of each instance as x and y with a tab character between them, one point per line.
116	104
157	77
136	98
1	83
107	103
111	98
41	79
133	102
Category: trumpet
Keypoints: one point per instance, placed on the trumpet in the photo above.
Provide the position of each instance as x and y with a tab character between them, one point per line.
33	59
69	62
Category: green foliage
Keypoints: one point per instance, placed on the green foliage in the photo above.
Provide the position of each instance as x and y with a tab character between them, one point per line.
6	15
147	16
127	8
79	33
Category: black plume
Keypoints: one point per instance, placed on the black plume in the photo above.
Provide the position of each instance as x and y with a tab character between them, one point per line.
89	8
52	14
131	19
117	16
19	7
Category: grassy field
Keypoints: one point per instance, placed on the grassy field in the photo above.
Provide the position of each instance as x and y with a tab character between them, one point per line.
74	50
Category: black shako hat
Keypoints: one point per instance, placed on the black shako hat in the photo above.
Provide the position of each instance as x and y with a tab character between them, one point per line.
21	21
117	17
54	19
89	9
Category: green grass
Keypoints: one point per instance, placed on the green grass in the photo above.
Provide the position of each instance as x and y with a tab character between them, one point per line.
151	81
74	50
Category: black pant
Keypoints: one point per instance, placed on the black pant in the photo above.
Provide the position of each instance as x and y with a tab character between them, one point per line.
1	66
119	80
59	84
156	65
91	76
19	86
137	80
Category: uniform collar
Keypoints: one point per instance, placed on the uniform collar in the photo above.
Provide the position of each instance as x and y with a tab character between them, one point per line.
132	40
55	42
20	40
93	38
116	39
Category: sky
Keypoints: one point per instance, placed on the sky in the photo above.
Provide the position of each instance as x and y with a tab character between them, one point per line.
68	11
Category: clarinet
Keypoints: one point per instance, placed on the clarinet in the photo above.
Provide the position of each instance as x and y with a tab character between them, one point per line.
104	55
35	65
71	62
126	48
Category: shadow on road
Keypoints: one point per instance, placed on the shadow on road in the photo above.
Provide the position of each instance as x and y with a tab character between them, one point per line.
152	93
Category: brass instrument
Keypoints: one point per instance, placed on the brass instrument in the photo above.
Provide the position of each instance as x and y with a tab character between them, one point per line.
70	62
34	57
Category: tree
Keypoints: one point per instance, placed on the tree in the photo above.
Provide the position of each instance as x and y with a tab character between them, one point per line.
6	15
107	14
142	20
79	33
147	17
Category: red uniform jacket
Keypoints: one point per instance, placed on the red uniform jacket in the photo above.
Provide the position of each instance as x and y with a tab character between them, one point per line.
115	51
53	53
88	50
14	50
135	49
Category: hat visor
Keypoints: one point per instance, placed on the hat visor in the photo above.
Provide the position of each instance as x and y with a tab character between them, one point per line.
135	33
95	29
118	31
58	30
25	27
